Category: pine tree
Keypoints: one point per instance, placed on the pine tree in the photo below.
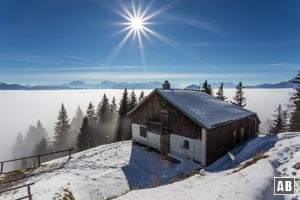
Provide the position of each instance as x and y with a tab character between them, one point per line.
210	90
61	129
113	109
207	88
75	127
124	104
103	110
132	101
41	130
77	120
279	123
18	150
239	98
40	140
220	93
34	135
285	120
204	87
294	123
123	131
142	96
41	147
90	113
84	140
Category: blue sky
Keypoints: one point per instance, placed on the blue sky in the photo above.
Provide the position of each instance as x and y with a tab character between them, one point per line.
57	41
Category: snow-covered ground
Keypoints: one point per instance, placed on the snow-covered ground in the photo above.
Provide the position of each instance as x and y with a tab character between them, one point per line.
119	169
105	172
252	182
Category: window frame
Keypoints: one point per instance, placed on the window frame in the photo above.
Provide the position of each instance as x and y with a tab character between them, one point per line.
186	144
143	131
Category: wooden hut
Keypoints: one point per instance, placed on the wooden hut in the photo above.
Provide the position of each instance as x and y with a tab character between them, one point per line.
191	123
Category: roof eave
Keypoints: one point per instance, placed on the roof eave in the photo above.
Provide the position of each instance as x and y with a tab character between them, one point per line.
231	121
139	104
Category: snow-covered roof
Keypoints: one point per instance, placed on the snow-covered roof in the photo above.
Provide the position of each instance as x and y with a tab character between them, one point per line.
204	109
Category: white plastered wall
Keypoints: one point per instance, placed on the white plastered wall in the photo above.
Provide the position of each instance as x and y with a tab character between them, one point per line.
196	149
151	140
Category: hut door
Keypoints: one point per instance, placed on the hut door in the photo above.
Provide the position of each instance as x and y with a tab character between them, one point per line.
165	135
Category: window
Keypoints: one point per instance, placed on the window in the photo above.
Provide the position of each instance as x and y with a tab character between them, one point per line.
164	103
143	131
186	144
173	115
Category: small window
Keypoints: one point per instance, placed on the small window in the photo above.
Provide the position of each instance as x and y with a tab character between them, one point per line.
173	115
186	144
164	103
143	131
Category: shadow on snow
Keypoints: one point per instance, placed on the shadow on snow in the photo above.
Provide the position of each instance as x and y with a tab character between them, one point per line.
147	169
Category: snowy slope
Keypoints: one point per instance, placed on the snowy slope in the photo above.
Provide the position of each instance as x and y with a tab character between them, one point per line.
114	170
252	182
104	172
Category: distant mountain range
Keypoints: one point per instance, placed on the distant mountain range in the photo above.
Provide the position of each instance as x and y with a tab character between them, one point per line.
284	84
122	85
113	85
83	85
4	86
213	84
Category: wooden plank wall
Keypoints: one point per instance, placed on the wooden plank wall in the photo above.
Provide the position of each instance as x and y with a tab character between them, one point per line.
220	140
179	123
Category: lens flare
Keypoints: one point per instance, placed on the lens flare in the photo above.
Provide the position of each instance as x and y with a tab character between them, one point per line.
136	24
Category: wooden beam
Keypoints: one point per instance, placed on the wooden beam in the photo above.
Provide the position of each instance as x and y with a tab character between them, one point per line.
1	168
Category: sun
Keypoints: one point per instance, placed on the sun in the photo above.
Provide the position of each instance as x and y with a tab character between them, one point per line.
136	24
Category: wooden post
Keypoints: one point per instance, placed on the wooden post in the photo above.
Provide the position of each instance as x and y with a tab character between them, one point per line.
70	153
29	192
1	168
39	160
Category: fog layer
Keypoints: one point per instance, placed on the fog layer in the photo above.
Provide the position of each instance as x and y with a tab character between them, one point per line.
20	109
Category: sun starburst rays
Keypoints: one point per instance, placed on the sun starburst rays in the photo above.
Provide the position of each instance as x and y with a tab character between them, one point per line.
136	25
